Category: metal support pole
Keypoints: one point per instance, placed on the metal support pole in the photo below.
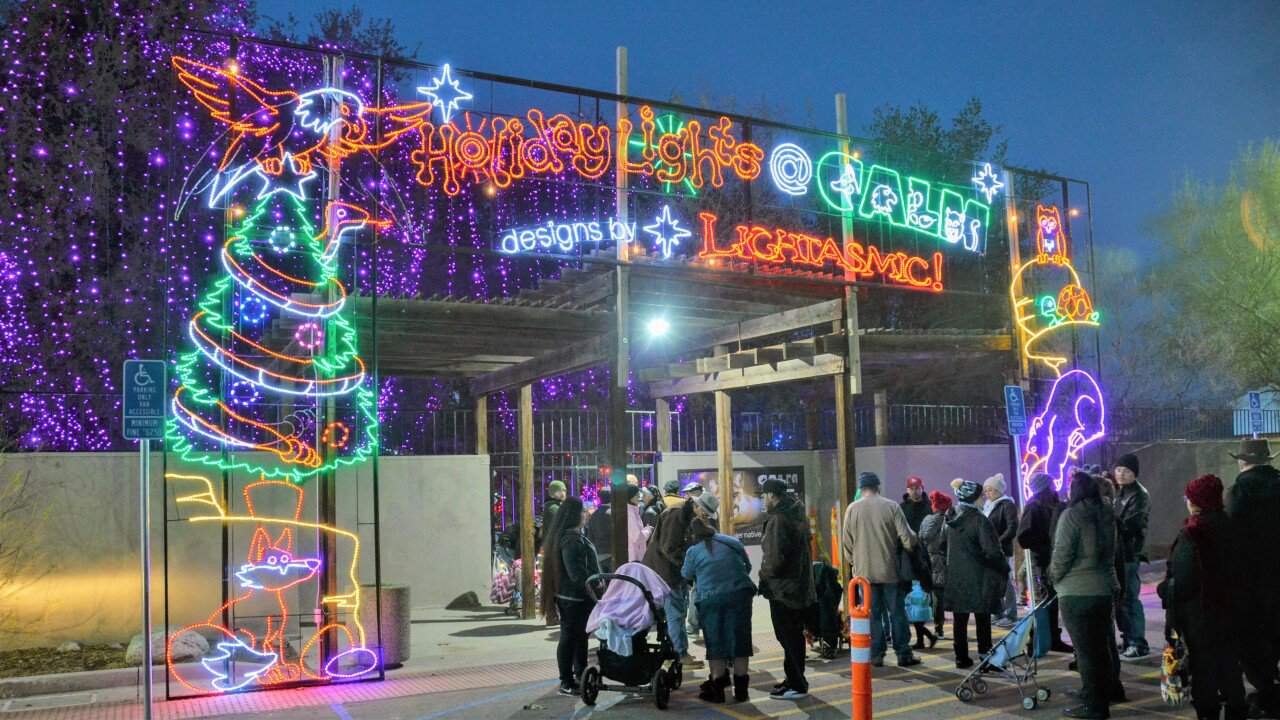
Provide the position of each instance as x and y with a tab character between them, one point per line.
144	473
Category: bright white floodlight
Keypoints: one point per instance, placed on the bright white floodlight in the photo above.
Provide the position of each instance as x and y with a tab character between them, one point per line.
658	327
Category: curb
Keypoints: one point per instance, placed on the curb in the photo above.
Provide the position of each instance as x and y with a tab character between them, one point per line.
58	683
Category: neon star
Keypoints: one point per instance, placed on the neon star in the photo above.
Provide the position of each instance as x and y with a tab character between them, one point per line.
290	180
448	102
847	184
987	182
666	232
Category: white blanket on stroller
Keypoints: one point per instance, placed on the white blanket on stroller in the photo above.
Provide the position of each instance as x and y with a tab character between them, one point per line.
623	612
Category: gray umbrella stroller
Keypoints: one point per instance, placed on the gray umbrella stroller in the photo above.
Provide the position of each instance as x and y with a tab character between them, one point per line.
1010	660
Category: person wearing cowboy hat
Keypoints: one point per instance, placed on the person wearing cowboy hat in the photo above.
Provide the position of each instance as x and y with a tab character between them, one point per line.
1253	503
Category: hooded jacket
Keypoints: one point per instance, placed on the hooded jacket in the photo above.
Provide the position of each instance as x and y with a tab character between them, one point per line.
1036	527
1084	550
933	538
578	562
977	571
1253	503
665	552
786	570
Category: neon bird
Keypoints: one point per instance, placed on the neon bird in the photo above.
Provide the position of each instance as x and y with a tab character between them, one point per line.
218	665
266	127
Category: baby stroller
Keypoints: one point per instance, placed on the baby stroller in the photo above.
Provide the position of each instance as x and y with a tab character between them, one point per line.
1011	661
627	617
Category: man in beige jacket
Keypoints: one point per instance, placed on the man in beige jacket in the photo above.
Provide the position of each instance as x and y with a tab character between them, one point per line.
875	532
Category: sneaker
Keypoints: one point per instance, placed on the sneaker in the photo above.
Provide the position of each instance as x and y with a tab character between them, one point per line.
908	661
791	694
778	690
569	689
1004	623
964	664
1134	653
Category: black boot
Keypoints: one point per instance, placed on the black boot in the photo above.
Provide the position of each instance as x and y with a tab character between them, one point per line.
740	685
713	689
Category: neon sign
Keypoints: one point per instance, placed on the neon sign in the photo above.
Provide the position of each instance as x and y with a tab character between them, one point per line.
790	168
777	246
448	99
270	570
666	232
565	236
1074	414
1064	428
987	182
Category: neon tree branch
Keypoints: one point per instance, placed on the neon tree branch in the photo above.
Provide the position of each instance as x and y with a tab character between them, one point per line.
777	246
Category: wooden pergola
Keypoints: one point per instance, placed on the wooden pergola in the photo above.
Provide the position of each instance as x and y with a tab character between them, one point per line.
731	328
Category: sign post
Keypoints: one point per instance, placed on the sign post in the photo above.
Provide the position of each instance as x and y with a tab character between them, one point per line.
1255	413
144	410
1015	410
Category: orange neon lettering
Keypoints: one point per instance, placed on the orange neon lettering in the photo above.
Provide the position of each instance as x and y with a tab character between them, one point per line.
709	249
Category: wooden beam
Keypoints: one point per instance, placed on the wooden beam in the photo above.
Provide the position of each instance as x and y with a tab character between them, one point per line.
724	460
482	424
775	324
573	357
662	428
881	398
526	500
800	349
784	371
892	342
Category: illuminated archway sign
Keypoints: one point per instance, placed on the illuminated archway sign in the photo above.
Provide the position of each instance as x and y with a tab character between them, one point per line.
1074	413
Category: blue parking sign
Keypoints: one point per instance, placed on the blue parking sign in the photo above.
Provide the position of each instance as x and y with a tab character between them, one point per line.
144	399
1015	408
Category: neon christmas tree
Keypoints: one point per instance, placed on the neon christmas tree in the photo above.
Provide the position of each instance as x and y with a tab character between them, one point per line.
271	342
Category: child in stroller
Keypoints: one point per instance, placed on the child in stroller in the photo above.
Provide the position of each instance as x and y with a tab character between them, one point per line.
628	610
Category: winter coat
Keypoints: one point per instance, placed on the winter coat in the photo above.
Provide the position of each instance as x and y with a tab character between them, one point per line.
1035	528
578	562
1133	510
719	567
1253	503
600	533
650	513
933	538
1084	550
977	571
665	552
1200	590
786	571
549	508
875	532
915	511
1003	514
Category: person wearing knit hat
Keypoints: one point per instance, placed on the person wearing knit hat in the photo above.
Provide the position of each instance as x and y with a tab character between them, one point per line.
915	505
873	535
1035	533
1253	504
1199	595
976	572
932	540
1133	513
556	493
1003	514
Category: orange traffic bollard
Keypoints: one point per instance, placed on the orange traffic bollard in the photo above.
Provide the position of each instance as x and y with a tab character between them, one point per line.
860	647
835	538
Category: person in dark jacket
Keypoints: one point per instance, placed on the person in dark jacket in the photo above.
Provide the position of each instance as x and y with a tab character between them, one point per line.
1083	571
651	506
976	572
568	560
933	539
915	505
665	555
1035	533
1003	514
1200	603
786	579
1253	503
600	529
1133	510
556	493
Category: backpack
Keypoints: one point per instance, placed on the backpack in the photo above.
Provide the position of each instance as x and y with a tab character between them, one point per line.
919	604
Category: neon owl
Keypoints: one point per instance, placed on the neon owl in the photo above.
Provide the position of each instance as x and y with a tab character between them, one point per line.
1051	237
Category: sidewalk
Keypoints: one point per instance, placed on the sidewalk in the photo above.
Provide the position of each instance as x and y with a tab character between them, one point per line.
452	651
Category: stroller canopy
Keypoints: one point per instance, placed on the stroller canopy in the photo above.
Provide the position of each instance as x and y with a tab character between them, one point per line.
624	604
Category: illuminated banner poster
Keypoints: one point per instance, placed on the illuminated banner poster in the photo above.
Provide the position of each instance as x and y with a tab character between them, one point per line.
748	506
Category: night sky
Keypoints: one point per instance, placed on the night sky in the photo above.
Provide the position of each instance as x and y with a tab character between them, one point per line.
1131	96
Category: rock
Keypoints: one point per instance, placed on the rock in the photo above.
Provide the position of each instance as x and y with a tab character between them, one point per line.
117	646
69	646
187	646
466	601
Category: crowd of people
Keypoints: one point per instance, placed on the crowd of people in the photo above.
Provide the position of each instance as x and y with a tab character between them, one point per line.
1221	592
